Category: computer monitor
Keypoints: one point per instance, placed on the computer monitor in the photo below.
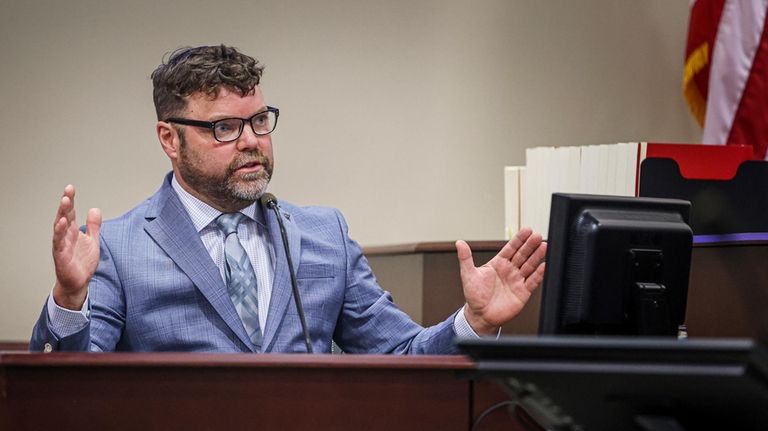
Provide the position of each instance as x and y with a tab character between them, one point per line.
616	266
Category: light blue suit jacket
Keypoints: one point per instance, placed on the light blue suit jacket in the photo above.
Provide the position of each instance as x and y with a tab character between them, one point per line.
156	288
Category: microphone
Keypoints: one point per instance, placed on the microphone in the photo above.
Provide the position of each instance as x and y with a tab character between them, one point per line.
268	200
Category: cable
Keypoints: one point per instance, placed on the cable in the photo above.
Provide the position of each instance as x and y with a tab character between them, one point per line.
490	410
522	416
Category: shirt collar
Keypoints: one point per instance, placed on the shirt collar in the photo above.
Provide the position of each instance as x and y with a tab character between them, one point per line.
203	214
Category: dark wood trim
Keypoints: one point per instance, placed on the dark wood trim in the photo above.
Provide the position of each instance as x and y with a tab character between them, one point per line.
732	244
226	360
13	346
493	246
430	247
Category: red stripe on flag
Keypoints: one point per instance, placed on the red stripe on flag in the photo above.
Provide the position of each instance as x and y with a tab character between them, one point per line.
702	28
750	125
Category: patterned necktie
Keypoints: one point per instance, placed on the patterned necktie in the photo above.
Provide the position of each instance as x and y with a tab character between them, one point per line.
241	279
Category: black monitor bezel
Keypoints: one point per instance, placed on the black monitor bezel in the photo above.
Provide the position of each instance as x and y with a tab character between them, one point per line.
564	208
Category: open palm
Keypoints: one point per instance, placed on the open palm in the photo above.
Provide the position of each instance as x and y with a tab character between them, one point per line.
497	291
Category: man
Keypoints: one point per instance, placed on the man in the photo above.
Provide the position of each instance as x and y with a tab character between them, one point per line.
200	266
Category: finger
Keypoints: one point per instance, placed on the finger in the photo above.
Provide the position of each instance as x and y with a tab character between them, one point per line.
93	223
511	247
533	261
59	233
535	279
66	204
466	263
526	250
69	190
64	215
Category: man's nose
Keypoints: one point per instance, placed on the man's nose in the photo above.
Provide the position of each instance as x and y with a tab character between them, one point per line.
248	140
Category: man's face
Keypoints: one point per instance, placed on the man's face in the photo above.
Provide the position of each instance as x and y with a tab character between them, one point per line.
231	175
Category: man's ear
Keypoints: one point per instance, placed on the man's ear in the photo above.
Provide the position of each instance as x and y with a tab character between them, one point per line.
169	139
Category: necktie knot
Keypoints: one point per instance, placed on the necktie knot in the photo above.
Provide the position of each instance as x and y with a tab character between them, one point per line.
228	222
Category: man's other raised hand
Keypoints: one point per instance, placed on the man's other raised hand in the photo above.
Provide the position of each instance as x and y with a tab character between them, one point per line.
75	254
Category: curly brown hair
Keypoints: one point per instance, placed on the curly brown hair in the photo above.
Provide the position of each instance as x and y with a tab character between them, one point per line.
201	69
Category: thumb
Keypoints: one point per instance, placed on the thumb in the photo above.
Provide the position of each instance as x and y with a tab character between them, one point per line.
93	223
466	263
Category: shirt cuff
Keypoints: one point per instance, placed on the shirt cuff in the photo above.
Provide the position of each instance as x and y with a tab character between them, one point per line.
463	328
64	322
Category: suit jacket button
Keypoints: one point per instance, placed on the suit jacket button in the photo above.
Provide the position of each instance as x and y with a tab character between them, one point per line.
48	348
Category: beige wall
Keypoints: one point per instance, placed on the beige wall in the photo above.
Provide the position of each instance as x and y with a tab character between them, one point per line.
402	113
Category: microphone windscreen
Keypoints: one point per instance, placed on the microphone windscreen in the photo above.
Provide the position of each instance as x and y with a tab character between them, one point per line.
268	200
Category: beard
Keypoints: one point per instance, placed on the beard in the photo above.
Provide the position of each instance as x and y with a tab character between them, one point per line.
229	190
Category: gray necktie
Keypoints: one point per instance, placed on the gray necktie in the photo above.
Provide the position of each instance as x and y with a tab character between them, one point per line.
241	279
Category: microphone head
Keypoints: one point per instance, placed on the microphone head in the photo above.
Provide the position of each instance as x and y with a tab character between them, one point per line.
268	200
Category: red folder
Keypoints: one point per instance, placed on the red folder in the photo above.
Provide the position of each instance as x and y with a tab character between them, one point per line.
699	161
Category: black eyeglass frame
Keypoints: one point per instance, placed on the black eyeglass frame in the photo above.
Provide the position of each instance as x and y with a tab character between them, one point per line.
212	124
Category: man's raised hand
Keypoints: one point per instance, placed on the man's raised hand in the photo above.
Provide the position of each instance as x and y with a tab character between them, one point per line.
75	254
497	291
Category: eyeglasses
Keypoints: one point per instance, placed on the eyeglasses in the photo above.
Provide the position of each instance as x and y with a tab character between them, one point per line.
229	129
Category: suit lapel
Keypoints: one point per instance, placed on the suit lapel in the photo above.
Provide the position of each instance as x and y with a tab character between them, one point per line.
170	226
281	285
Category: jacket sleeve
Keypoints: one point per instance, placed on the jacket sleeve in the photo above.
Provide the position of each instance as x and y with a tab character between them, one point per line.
107	315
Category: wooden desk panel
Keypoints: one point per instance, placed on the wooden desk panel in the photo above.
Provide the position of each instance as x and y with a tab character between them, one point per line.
124	391
728	291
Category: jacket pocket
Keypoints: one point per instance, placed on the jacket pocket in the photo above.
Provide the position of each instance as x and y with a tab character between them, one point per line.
315	270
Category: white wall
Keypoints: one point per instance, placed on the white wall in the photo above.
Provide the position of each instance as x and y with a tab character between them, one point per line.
401	113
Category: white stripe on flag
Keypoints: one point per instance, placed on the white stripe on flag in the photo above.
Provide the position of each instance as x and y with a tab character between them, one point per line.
738	35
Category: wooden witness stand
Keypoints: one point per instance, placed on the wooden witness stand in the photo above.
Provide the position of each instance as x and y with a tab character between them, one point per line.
127	391
130	391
